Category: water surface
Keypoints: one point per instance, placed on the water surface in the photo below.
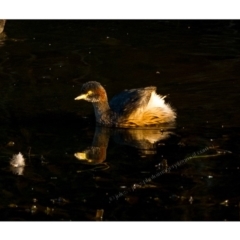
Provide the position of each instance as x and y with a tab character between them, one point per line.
183	173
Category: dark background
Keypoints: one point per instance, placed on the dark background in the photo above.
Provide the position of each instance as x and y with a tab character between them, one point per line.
43	64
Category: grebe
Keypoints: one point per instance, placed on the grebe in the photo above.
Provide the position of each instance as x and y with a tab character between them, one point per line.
141	107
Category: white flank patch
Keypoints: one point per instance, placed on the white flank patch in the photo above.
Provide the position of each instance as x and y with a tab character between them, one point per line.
158	101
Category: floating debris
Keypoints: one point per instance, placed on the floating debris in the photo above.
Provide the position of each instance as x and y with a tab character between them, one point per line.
17	164
33	209
222	151
225	203
59	201
17	160
135	186
17	170
11	144
49	211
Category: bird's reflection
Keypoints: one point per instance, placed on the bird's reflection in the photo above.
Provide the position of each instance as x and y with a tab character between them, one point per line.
145	140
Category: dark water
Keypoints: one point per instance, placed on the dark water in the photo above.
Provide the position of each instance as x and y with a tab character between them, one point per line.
187	172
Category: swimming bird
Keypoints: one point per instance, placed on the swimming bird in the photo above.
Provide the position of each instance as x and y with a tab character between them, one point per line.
140	107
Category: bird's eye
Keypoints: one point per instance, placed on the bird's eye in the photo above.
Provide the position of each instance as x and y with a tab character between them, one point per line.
89	92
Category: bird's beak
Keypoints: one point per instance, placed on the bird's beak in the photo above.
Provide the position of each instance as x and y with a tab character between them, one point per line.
82	156
82	96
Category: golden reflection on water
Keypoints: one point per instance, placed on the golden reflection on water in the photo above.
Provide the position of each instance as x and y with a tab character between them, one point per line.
145	140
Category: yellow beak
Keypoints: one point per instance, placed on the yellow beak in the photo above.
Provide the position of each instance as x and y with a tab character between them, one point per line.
82	156
82	96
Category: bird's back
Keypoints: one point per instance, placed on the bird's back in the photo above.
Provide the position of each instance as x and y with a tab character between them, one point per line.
129	101
140	107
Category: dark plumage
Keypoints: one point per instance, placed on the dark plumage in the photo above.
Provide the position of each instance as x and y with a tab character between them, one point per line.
139	107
